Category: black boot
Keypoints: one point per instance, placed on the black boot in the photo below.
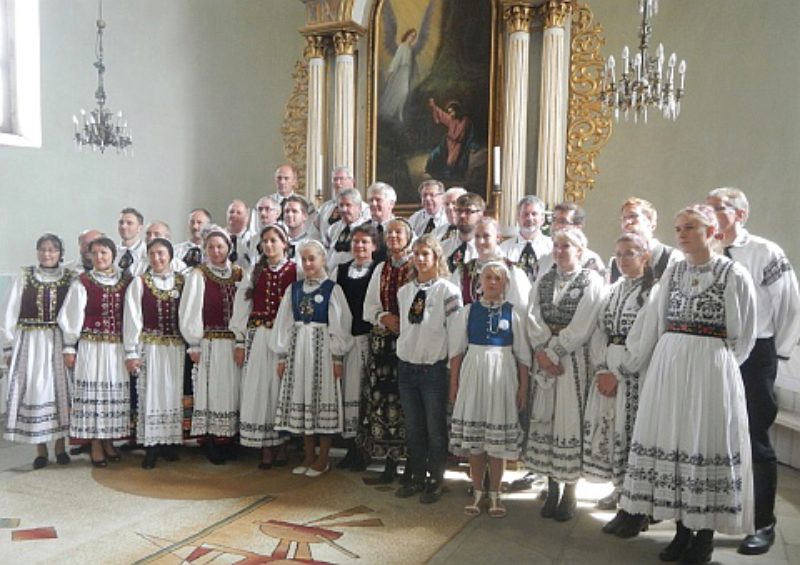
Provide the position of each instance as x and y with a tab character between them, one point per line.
611	526
567	505
347	460
700	549
389	472
677	547
551	502
632	526
213	453
150	456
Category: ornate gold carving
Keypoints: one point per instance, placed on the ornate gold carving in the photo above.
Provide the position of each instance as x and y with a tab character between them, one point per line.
315	47
518	18
555	12
345	42
326	11
588	126
295	119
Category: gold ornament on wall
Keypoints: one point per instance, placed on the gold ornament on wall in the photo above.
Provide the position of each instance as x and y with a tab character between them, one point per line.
295	118
555	13
588	126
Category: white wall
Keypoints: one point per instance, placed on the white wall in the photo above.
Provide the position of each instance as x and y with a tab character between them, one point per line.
203	84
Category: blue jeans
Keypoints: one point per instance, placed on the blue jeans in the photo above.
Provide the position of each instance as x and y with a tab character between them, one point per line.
423	395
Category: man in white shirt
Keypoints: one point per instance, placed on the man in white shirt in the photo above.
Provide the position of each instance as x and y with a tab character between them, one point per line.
432	214
131	251
449	229
458	250
349	200
778	329
570	216
237	217
285	182
191	250
328	214
639	216
381	198
161	229
529	246
83	262
295	218
267	212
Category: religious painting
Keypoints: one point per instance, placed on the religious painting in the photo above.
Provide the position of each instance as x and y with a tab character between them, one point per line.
431	94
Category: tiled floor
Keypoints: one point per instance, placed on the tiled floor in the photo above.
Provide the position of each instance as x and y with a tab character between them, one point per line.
524	537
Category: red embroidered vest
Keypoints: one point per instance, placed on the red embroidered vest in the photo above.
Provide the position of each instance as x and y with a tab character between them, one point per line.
41	302
218	299
392	278
160	310
102	320
268	292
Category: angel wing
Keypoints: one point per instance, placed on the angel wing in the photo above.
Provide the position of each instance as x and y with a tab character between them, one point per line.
389	28
424	28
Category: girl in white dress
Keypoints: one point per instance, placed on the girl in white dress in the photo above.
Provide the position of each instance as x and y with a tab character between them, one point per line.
312	339
254	313
204	317
690	453
561	318
614	392
91	320
38	388
489	361
155	351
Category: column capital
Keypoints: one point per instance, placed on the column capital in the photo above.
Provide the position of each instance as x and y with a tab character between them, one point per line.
518	17
344	42
555	12
315	47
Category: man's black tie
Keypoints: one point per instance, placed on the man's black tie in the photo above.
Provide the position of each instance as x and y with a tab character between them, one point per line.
233	255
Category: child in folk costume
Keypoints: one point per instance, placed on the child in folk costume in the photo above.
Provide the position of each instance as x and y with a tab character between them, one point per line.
561	319
489	361
155	351
253	320
38	390
313	337
205	313
427	307
354	277
619	366
91	320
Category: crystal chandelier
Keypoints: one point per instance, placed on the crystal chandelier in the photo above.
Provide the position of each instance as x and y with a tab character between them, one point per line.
643	82
101	128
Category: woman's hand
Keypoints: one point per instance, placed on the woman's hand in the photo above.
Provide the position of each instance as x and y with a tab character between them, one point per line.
281	369
238	356
133	366
338	371
194	356
391	322
69	360
606	383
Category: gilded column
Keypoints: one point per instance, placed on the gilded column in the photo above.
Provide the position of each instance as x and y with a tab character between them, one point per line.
315	135
515	111
344	103
551	165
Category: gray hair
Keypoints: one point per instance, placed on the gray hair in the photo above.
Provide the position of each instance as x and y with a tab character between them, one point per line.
351	194
385	189
431	182
532	200
574	237
736	197
345	170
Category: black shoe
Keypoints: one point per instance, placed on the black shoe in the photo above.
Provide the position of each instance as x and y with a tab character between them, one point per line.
611	526
608	502
388	474
632	526
759	542
347	460
360	462
80	449
432	492
169	453
40	463
229	451
100	464
551	502
524	483
677	547
213	454
62	458
405	478
567	505
150	456
700	549
409	490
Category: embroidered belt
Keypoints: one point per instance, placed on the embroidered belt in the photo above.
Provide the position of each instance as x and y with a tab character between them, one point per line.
36	325
693	328
101	338
154	339
258	322
617	339
218	334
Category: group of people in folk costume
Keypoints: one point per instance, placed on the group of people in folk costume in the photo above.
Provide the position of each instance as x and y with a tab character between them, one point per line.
655	374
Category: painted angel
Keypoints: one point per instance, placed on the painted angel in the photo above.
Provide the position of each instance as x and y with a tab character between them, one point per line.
402	73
